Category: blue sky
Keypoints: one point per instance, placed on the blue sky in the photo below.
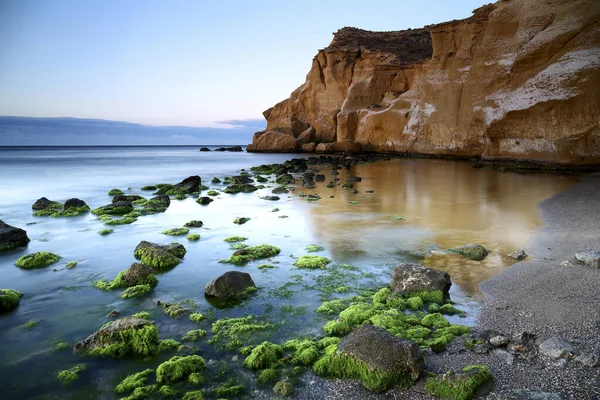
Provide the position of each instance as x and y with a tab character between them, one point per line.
185	63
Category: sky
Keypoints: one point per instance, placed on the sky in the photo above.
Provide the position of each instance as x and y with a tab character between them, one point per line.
183	63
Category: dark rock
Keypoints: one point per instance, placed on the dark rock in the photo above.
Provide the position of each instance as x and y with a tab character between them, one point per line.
220	149
11	237
280	190
518	255
124	197
523	394
242	180
481	348
204	149
285	179
204	200
556	348
240	189
379	349
229	284
412	278
112	314
355	179
271	198
110	334
74	203
191	184
194	224
320	178
234	148
473	251
591	259
163	198
118	208
42	203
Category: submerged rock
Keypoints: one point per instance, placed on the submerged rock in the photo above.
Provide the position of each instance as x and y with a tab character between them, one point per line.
473	251
9	299
204	149
591	259
414	278
231	283
11	237
123	337
191	184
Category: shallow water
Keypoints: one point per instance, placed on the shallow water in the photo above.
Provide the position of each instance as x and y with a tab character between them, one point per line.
445	204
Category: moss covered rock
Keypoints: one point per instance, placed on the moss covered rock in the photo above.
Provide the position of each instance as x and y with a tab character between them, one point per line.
283	388
176	231
312	262
265	355
12	237
161	257
118	208
463	385
134	381
37	260
244	256
194	224
9	299
179	368
473	251
70	375
124	337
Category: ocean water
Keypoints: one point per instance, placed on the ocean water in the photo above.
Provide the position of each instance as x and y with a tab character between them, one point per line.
444	203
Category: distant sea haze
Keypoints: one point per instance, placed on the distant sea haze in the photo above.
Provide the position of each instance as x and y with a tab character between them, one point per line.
25	131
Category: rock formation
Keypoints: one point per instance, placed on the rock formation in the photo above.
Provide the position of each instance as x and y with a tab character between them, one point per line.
518	80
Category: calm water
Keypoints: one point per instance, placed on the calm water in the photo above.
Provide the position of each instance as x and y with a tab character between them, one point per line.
445	204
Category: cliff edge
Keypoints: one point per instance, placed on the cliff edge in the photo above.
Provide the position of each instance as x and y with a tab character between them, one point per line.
518	80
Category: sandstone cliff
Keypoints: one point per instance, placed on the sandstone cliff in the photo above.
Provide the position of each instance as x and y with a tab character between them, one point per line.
520	79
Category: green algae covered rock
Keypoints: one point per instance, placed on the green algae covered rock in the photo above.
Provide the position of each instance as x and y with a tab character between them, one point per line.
118	208
473	251
70	375
283	388
137	291
124	337
161	257
176	231
241	220
312	262
136	275
375	357
463	385
265	355
134	381
179	368
268	375
9	299
244	256
193	395
37	260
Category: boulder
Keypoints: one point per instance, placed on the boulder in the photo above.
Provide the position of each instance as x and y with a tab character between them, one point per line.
273	141
191	184
204	200
591	259
74	203
163	198
137	274
305	137
204	149
43	203
124	197
323	148
9	299
11	237
309	147
556	348
118	339
518	255
229	284
413	278
473	251
380	350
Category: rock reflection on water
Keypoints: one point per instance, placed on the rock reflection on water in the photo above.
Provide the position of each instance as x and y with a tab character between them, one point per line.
445	203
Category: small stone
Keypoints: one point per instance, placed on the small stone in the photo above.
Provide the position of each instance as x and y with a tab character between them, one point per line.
499	341
555	348
589	360
518	255
235	358
566	264
504	356
591	259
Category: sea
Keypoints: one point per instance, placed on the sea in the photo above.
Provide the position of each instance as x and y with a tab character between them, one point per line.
403	211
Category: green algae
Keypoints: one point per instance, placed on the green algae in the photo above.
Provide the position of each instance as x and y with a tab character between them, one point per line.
37	260
113	209
68	376
232	331
212	193
160	259
30	325
265	266
71	264
58	212
238	246
313	248
175	309
235	239
398	218
312	262
143	315
9	299
459	387
414	303
381	297
193	395
436	296
148	187
471	343
133	381
435	320
193	237
283	388
338	365
197	317
194	224
356	314
168	344
60	346
176	231
121	221
268	375
137	291
263	356
328	341
179	368
167	391
114	192
194	335
228	389
180	196
120	282
306	351
244	256
196	378
142	341
241	220
449	309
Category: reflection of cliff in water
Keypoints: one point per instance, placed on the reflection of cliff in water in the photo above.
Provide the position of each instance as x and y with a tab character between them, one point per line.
445	203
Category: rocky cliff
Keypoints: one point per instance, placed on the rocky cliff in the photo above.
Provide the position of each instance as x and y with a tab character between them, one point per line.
518	80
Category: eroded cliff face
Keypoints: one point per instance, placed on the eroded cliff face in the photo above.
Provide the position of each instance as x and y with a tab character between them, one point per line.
520	79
